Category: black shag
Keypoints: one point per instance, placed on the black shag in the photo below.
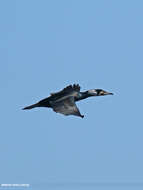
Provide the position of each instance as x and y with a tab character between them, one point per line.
64	101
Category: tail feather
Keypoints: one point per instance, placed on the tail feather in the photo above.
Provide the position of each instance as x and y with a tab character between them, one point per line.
31	107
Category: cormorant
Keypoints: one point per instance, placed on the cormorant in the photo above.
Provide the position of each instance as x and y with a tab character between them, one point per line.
64	101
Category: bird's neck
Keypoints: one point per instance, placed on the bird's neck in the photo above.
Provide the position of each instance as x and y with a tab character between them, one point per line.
82	95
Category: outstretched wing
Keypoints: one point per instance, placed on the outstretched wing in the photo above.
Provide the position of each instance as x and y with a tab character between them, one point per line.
71	90
66	106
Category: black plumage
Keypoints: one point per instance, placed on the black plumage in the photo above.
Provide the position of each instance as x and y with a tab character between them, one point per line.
64	101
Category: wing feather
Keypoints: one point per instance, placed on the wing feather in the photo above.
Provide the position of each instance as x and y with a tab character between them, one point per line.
66	107
66	91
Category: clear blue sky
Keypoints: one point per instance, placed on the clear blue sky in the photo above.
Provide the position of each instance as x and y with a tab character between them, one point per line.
48	44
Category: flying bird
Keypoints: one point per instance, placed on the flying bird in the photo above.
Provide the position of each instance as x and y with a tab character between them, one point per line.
64	101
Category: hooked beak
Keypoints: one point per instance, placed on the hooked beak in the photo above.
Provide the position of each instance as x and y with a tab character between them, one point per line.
108	93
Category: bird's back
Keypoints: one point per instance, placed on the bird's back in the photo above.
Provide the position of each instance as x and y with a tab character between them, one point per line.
71	90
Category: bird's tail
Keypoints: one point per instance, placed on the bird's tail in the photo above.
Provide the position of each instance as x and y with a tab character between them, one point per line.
31	106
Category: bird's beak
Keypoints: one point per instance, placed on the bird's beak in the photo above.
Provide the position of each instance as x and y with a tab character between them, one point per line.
108	93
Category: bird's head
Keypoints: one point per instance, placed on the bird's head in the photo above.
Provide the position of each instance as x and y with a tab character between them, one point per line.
98	92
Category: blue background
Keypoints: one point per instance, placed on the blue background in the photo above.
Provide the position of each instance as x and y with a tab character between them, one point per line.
46	45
